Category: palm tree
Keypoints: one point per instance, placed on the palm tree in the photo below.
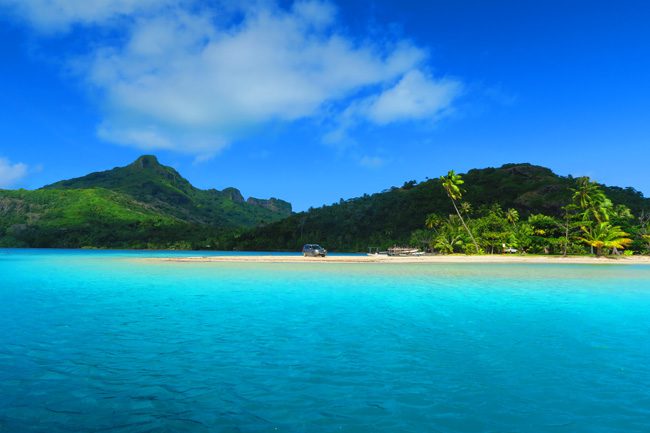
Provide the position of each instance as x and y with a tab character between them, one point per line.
604	235
449	235
466	207
592	200
433	221
452	185
446	242
512	216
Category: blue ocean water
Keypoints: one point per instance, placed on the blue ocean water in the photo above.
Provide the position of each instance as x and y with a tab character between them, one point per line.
108	342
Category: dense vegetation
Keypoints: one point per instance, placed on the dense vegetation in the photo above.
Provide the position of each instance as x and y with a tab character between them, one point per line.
525	207
148	205
142	205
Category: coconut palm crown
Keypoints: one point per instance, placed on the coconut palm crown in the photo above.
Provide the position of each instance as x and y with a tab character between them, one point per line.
604	235
592	200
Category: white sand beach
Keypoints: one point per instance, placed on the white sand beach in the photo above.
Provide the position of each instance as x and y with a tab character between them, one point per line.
419	259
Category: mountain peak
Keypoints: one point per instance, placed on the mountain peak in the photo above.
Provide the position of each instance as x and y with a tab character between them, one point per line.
162	188
146	161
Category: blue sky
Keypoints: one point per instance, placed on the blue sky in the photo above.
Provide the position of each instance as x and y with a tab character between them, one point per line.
359	95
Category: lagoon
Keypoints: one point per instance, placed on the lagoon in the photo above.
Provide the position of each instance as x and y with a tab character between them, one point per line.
106	341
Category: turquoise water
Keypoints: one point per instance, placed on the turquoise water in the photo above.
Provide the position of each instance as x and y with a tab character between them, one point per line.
106	342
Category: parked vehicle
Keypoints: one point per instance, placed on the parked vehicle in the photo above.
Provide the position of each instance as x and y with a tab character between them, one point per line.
313	250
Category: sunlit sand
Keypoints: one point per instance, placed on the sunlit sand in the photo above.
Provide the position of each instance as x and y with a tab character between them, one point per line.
418	259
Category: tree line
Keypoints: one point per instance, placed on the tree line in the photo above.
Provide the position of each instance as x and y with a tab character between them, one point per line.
588	224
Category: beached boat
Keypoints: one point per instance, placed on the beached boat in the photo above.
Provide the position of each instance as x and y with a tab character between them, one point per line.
400	251
395	251
374	251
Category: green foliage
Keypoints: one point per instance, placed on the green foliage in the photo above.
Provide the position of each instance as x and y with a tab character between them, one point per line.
452	186
493	229
165	190
142	205
147	205
605	235
512	215
451	238
545	235
390	217
592	200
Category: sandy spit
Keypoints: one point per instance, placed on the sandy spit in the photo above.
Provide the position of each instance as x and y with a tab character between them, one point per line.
421	259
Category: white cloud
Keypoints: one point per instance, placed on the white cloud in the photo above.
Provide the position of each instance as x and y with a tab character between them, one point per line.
11	173
372	161
57	15
415	96
192	80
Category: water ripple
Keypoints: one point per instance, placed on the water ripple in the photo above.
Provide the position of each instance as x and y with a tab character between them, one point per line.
126	346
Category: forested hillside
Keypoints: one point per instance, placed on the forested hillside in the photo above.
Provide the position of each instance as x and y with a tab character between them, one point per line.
142	205
148	205
391	217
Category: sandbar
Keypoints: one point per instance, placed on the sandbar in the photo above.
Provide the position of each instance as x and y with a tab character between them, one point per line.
495	258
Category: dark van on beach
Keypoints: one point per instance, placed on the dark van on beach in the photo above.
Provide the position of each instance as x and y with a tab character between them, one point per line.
313	250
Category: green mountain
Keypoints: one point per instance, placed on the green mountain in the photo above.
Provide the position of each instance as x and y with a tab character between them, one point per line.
142	205
149	205
389	217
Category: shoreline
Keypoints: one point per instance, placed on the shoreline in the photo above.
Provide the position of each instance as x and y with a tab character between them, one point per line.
493	259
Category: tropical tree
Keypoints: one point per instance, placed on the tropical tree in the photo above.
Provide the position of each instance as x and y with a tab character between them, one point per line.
447	242
592	200
512	216
644	230
570	222
492	229
433	221
449	237
522	237
452	185
604	235
545	233
646	238
420	238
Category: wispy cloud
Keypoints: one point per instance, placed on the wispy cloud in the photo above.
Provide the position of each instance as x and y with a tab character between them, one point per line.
11	173
50	16
415	96
372	162
193	79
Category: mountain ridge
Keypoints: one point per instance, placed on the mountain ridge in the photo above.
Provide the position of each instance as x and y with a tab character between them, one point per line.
148	205
161	186
391	216
141	205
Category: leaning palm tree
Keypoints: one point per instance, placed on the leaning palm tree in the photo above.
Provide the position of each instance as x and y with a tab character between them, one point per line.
604	235
452	185
512	216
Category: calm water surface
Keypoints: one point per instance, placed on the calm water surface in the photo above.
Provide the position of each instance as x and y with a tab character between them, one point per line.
107	342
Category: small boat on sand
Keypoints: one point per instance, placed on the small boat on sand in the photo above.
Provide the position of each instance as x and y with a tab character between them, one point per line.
374	251
401	251
395	251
